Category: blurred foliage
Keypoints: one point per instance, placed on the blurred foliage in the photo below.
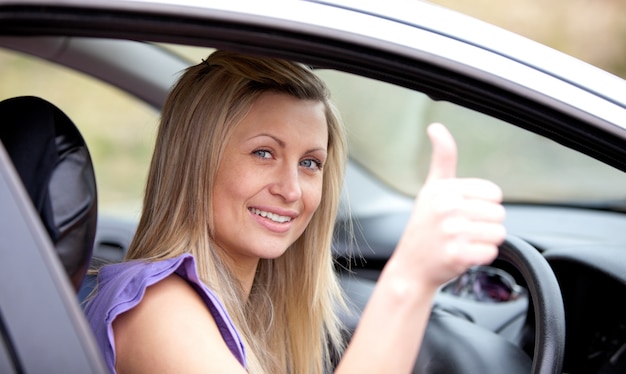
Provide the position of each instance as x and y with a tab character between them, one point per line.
592	31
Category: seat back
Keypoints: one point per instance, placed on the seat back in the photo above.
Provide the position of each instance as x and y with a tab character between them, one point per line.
54	164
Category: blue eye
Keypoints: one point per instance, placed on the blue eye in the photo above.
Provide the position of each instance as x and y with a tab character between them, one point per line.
262	153
311	163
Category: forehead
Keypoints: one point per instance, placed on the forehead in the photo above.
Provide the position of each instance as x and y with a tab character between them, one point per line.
285	115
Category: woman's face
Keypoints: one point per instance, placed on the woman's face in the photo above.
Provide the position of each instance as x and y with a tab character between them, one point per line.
269	182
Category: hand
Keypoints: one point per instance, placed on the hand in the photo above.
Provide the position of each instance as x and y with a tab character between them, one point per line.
455	224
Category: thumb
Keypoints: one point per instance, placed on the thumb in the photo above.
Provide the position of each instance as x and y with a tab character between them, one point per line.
444	154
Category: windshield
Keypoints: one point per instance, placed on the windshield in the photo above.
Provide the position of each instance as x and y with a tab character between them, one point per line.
386	129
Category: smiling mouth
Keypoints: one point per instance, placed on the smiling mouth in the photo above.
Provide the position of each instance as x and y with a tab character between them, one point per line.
269	215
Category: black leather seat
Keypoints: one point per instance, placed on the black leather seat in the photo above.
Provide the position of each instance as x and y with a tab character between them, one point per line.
53	161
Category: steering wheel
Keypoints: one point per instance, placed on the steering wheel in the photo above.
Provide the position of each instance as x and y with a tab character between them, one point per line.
455	345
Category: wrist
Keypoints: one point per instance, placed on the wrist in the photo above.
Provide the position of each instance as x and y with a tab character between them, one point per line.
406	286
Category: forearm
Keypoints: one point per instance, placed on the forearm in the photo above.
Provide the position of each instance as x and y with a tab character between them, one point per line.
391	328
455	224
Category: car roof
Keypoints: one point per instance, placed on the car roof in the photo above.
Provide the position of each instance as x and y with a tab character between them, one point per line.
371	39
406	27
461	64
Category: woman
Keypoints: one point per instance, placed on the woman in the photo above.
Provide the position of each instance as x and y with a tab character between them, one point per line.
231	266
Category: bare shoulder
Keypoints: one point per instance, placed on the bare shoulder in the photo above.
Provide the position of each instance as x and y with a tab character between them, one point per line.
171	331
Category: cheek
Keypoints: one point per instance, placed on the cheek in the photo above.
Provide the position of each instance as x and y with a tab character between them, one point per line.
228	186
313	196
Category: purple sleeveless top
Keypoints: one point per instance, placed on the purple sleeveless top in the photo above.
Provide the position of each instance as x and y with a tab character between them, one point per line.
121	287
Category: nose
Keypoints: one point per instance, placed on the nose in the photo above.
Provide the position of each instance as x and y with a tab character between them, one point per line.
287	184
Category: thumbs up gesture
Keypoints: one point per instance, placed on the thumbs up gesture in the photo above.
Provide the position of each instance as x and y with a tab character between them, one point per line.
455	223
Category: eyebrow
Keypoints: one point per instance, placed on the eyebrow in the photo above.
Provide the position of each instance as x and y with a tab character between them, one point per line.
282	144
277	140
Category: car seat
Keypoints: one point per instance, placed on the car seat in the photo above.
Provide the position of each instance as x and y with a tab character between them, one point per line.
47	225
54	164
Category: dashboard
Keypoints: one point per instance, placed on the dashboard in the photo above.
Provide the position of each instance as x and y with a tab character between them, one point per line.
586	249
595	317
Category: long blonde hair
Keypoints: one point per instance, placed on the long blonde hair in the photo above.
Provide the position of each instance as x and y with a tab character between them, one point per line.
288	321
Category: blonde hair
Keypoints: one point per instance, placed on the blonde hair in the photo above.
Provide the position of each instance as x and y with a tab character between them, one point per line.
288	321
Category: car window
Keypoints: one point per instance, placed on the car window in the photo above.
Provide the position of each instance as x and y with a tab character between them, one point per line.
528	167
119	129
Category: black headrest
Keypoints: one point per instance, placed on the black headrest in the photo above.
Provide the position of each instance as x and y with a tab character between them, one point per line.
54	164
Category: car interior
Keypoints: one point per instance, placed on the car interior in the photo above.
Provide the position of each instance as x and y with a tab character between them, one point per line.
53	165
548	300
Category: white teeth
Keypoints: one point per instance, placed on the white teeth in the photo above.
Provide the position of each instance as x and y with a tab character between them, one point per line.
272	216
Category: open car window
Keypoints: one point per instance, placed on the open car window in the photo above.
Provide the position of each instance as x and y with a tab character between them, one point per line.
120	130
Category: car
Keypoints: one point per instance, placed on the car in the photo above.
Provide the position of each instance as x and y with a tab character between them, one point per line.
548	128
